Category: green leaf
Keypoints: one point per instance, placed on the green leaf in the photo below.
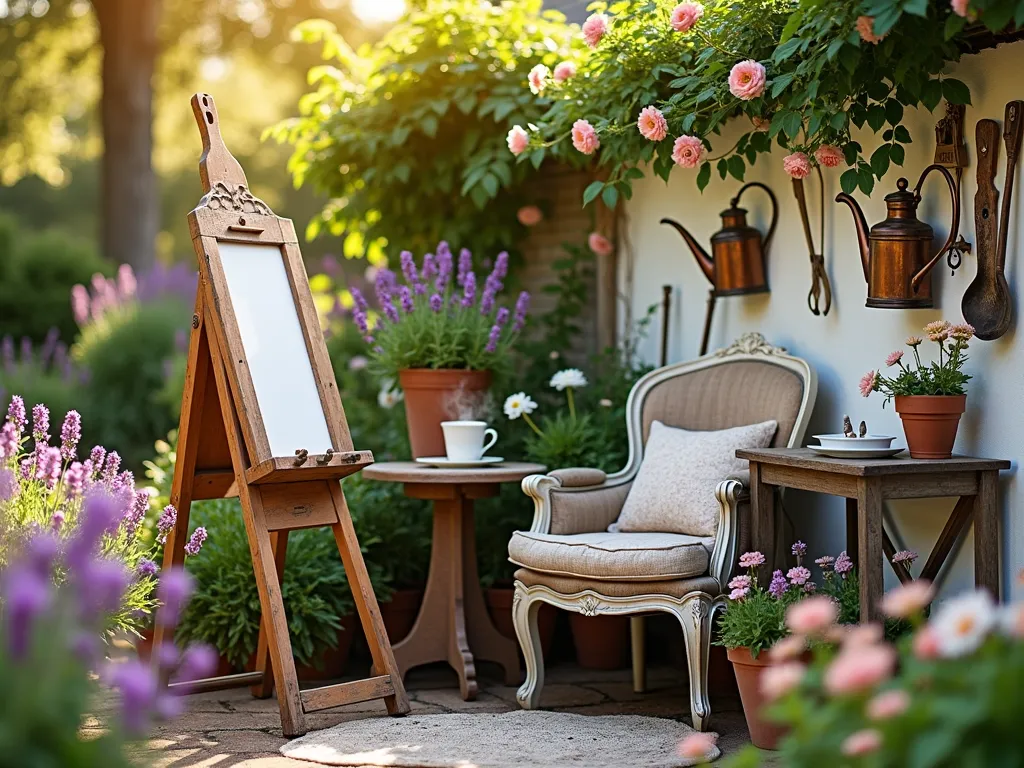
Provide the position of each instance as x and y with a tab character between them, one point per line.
536	158
955	91
876	117
897	153
781	82
703	176
791	124
737	167
865	180
880	160
848	181
786	50
931	94
723	167
893	112
610	196
849	57
429	125
592	191
838	121
954	25
902	134
490	183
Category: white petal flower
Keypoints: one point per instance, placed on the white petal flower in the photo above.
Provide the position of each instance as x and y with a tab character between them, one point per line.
963	623
518	404
389	396
570	377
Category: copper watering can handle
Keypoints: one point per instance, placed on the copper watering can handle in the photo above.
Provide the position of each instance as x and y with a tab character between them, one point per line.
767	240
915	283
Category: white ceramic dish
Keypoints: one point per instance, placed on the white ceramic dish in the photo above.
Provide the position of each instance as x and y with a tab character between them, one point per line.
444	462
842	442
856	453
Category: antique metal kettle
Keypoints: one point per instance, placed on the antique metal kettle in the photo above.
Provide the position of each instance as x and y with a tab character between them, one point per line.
737	263
895	252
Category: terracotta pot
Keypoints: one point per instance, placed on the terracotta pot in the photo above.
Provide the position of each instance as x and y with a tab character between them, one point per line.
930	423
399	613
602	642
763	734
435	396
499	606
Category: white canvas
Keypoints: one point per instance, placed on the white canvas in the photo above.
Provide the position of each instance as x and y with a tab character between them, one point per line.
279	364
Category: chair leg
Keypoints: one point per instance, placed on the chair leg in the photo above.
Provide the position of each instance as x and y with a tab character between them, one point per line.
524	618
695	616
637	635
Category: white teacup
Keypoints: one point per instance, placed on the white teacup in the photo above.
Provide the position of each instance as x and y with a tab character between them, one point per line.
464	440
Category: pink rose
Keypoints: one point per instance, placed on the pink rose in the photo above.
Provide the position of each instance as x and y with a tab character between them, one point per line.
518	140
862	743
564	70
959	7
530	215
652	124
538	78
600	244
888	705
747	79
779	679
866	29
688	151
797	165
697	745
828	155
685	15
867	383
926	644
584	137
859	668
594	28
812	616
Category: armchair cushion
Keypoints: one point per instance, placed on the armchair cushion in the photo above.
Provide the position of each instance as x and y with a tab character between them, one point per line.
612	556
674	489
579	477
571	585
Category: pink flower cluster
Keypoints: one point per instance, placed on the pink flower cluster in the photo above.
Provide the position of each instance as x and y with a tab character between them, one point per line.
584	137
685	15
828	155
747	80
594	28
797	165
652	124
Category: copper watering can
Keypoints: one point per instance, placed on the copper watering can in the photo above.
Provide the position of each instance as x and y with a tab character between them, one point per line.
894	253
738	252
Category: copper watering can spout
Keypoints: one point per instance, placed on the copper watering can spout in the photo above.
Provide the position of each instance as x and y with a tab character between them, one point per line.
707	265
861	224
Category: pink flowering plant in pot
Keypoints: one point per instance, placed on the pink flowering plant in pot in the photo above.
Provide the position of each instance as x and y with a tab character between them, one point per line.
44	487
932	397
948	694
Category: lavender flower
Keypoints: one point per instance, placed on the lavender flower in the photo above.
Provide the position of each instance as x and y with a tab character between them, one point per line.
465	267
405	297
111	467
195	542
136	511
26	350
8	484
137	686
778	585
469	290
57	521
359	316
49	347
100	514
383	284
494	284
70	434
80	304
444	267
96	456
42	551
26	595
167	655
7	350
10	441
409	271
16	414
40	424
167	520
173	591
359	301
146	567
429	270
492	339
436	302
102	585
843	564
197	662
522	306
48	461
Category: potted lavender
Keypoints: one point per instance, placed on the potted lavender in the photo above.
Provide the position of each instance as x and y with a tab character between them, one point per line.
439	337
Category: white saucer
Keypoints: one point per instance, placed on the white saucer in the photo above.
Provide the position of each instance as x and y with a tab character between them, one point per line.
857	453
444	462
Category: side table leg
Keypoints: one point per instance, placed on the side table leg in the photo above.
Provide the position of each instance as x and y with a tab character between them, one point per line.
852	545
762	515
986	533
459	655
869	541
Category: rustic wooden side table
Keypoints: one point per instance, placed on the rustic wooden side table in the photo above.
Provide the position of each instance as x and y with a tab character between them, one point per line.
453	624
866	484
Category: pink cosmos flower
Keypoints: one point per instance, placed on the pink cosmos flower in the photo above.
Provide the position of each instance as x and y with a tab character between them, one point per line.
867	383
866	30
688	151
959	7
788	648
564	70
652	124
518	140
747	79
862	743
862	634
812	615
894	357
828	155
926	644
530	215
859	668
697	745
888	705
538	78
779	679
600	244
751	560
594	28
685	15
797	165
584	137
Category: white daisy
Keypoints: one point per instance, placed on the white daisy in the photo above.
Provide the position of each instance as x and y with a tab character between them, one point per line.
570	377
389	396
518	404
963	623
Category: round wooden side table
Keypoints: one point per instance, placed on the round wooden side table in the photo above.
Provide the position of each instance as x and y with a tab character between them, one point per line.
453	624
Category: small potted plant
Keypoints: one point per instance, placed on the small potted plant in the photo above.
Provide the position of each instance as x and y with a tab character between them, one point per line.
930	399
439	338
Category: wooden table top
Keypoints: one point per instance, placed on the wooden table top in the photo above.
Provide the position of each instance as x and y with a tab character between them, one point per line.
412	472
901	464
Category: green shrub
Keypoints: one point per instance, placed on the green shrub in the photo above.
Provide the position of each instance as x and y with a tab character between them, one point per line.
37	270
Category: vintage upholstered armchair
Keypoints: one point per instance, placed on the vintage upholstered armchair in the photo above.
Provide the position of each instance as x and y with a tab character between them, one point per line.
569	559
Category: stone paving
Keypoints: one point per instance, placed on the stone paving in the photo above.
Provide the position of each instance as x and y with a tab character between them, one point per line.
230	728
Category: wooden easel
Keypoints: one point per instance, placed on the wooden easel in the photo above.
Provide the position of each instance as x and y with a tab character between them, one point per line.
224	449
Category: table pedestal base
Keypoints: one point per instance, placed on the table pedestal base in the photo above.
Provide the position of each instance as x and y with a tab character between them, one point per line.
453	624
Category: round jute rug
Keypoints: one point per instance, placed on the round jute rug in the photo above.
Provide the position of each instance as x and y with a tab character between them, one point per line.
522	738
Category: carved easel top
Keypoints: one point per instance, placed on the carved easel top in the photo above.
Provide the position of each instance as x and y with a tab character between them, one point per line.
224	184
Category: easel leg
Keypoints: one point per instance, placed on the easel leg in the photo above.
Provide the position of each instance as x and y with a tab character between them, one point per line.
366	602
279	546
